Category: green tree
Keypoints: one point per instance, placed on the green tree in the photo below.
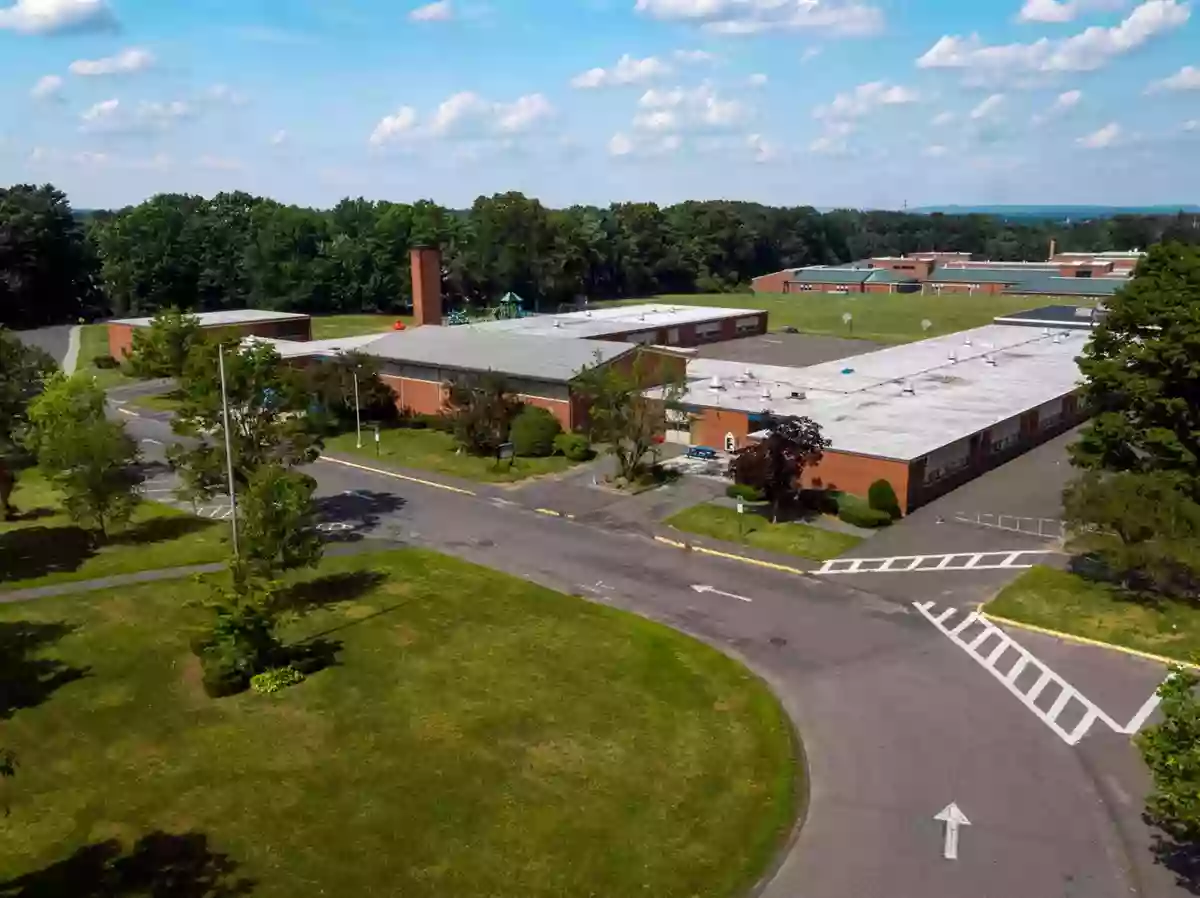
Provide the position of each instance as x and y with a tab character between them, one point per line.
1142	525
161	350
240	638
1142	369
481	410
534	431
268	418
23	373
331	382
621	415
775	463
276	522
1171	750
88	458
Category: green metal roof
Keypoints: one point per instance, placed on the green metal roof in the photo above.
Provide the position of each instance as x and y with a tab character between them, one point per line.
818	275
978	276
1042	285
887	276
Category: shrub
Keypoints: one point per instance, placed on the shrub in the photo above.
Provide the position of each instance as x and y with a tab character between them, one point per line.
440	423
574	446
820	501
744	492
105	360
862	516
223	673
882	497
275	679
533	432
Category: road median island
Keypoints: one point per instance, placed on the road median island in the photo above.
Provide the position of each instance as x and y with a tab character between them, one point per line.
756	531
476	734
1064	604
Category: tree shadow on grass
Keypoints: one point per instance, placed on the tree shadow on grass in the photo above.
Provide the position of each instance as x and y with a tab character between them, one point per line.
159	529
30	514
26	681
1181	858
32	552
309	595
160	865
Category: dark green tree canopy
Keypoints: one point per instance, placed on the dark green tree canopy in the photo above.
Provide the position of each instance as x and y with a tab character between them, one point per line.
774	464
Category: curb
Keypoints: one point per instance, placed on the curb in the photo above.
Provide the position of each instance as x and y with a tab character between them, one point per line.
1083	640
745	559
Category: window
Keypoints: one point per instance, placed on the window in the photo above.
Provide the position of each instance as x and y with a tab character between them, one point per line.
673	336
745	325
708	329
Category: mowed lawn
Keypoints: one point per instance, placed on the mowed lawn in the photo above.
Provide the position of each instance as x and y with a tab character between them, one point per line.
476	736
42	546
433	450
721	522
882	317
93	342
1060	600
330	327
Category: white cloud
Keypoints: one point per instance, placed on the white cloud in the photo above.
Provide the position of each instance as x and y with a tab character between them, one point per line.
942	118
1063	103
134	59
403	122
50	16
1088	50
700	108
1187	78
224	94
620	145
1059	11
1105	137
279	138
866	98
464	114
810	54
763	149
658	120
48	87
988	107
104	111
111	116
627	71
625	145
934	151
758	79
694	56
440	11
835	140
846	17
1192	125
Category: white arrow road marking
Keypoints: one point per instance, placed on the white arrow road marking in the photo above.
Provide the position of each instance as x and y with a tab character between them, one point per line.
729	595
953	818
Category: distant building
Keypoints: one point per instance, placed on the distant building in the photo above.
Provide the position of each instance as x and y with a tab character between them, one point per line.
234	322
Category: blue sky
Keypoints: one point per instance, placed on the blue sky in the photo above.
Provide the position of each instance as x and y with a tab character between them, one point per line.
823	102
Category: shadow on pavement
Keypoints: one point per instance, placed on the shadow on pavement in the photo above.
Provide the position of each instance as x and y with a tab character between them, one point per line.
159	865
26	680
1181	858
358	511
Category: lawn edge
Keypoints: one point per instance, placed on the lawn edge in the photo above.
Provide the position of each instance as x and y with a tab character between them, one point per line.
746	559
981	610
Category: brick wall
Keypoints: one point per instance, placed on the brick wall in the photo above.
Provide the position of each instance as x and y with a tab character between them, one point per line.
120	341
852	473
771	283
713	424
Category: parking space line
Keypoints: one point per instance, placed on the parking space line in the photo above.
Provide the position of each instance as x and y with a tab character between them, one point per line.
1047	677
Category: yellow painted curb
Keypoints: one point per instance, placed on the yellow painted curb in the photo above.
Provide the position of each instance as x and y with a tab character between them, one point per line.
1083	640
745	559
549	511
432	483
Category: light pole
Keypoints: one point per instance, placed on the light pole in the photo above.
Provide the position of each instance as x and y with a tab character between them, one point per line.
357	412
228	450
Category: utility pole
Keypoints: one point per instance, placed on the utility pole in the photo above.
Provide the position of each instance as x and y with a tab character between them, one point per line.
357	413
228	450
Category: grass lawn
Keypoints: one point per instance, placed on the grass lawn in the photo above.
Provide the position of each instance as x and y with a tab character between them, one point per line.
329	327
476	736
432	450
1066	602
883	318
158	402
45	547
721	522
93	341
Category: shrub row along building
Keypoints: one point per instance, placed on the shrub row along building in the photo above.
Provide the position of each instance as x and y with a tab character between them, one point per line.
1085	275
925	416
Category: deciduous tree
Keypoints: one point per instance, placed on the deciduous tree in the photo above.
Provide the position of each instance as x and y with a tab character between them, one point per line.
23	373
276	522
481	410
87	457
161	350
774	463
1171	750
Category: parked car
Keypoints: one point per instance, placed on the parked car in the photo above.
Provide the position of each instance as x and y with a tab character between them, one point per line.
702	452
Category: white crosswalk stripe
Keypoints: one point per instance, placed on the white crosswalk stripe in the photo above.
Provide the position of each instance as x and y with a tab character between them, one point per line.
955	561
989	646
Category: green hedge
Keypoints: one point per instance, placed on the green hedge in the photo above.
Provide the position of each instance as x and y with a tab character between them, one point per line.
882	497
744	492
863	516
534	431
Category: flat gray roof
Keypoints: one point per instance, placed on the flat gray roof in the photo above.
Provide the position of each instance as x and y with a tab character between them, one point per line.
601	322
297	349
859	403
482	349
220	319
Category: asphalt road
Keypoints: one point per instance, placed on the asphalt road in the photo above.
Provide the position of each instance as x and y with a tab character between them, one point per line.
53	340
897	721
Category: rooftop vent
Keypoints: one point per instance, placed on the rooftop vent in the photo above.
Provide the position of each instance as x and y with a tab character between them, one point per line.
588	313
749	374
952	356
766	393
558	324
1058	338
715	383
906	389
796	394
989	360
1045	331
966	341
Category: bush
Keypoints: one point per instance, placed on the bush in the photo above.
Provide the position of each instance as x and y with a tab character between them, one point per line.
882	497
275	679
862	516
744	492
223	674
533	432
105	361
440	423
574	446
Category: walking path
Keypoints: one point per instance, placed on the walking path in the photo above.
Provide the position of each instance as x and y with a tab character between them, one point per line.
71	359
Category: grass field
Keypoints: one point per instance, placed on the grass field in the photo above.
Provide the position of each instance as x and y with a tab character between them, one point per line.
329	327
432	450
158	402
93	341
1068	603
721	522
882	318
45	547
476	736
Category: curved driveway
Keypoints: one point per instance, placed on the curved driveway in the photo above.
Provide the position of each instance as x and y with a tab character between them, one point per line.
896	721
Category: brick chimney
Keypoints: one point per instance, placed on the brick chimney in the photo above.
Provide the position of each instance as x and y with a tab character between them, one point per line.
426	264
1053	247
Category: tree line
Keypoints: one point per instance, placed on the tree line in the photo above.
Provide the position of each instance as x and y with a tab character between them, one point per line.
236	250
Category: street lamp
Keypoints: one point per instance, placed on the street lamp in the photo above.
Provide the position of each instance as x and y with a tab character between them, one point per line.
357	412
228	449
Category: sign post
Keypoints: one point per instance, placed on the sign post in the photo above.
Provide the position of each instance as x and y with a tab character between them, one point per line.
741	507
505	452
377	441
